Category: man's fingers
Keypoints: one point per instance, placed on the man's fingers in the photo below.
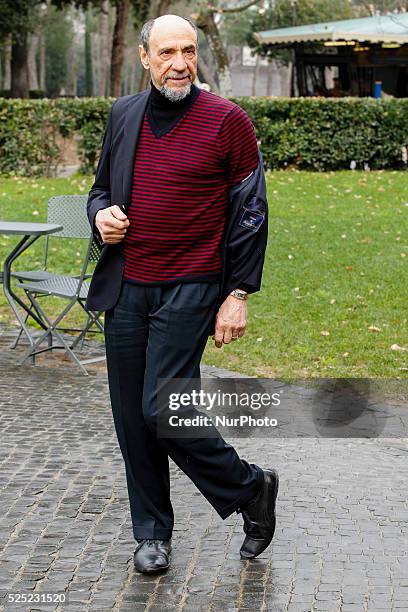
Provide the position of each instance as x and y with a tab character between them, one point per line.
112	240
218	335
111	221
118	213
114	231
227	336
225	333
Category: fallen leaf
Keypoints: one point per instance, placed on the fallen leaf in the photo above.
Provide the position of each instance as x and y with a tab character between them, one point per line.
325	333
397	347
374	328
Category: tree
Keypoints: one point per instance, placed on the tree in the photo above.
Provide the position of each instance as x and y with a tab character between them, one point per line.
58	40
362	8
280	15
142	11
89	89
118	46
103	48
122	8
18	19
208	20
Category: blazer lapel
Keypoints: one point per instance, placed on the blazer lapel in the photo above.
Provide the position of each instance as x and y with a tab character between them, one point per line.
133	121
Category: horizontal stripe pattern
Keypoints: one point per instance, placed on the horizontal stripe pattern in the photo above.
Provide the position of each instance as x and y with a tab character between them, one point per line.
180	190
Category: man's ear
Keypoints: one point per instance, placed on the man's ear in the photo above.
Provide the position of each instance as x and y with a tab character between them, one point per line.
144	58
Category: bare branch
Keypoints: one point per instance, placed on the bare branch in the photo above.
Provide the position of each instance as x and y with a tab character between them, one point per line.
238	9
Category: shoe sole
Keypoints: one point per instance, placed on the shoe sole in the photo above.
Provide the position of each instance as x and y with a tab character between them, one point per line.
275	495
155	570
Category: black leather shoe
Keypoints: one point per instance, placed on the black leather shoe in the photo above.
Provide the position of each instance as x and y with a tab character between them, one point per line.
152	555
259	517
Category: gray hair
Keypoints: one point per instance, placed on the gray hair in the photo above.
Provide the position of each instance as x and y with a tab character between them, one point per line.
147	28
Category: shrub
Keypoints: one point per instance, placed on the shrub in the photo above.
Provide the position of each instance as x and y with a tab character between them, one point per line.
307	133
29	131
330	133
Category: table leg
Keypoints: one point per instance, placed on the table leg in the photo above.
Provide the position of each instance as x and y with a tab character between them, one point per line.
11	297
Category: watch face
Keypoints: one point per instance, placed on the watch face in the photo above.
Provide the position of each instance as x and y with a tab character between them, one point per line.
239	294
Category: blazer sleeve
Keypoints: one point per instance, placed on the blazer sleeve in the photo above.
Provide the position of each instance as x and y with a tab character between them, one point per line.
247	241
100	194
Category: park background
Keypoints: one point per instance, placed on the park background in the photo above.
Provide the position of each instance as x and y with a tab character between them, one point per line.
333	304
333	300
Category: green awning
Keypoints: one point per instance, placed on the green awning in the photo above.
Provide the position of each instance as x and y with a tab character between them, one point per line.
390	28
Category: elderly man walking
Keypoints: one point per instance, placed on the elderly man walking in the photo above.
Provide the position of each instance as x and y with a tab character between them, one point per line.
177	265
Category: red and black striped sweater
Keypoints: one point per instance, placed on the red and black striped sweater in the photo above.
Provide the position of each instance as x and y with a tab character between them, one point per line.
182	175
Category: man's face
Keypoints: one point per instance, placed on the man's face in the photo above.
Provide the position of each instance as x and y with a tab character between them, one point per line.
172	57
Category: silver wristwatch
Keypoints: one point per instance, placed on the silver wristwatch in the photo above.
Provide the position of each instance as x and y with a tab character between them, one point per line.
238	293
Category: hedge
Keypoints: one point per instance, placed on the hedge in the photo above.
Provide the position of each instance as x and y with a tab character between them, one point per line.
29	132
306	133
330	133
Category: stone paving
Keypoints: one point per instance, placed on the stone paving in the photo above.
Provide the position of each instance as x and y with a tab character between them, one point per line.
341	537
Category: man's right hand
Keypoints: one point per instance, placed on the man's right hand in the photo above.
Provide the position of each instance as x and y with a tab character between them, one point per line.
112	224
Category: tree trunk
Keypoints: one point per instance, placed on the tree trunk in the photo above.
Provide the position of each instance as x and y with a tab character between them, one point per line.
126	74
96	62
132	80
104	49
206	22
144	80
206	74
7	64
71	72
32	64
118	46
42	63
19	67
162	7
88	57
36	77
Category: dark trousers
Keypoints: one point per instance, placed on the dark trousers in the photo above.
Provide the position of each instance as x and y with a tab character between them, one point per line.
161	332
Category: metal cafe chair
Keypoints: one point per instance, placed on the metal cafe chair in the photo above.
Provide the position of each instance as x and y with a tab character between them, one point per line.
60	211
73	289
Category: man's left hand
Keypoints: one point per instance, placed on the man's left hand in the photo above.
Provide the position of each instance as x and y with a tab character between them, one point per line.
231	321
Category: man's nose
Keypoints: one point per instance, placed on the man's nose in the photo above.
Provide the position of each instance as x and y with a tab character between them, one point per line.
179	62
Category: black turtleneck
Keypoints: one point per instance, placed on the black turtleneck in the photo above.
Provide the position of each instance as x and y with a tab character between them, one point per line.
163	114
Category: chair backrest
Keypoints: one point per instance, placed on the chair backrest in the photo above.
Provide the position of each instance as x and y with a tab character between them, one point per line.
70	212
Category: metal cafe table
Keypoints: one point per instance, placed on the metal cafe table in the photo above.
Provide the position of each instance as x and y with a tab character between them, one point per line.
29	232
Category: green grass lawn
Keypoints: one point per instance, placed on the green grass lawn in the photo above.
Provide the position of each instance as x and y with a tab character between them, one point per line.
334	295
